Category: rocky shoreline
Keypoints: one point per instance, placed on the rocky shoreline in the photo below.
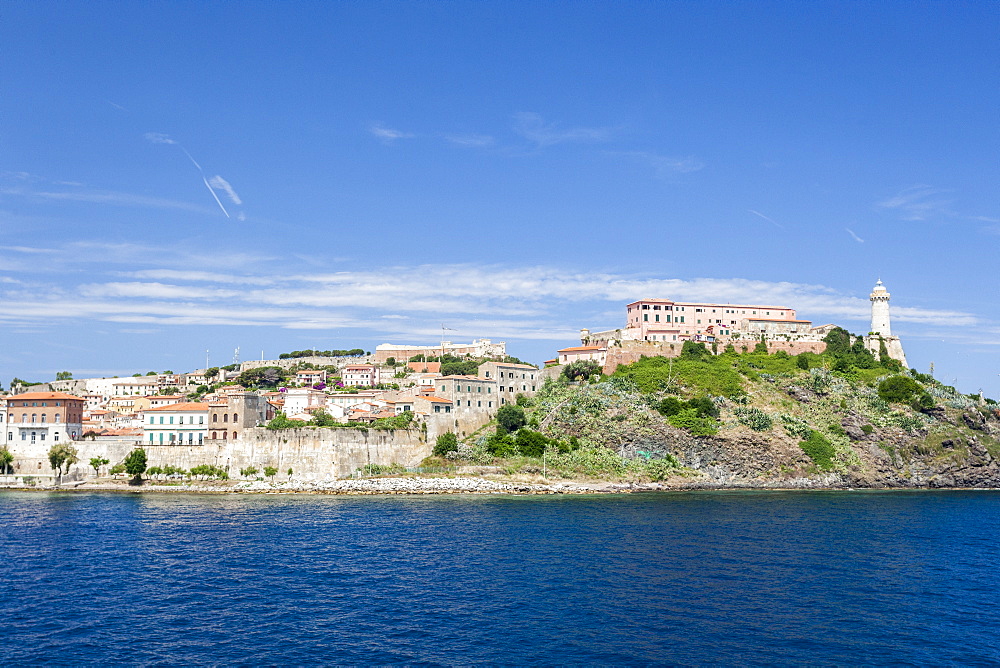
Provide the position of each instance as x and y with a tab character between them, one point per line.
478	485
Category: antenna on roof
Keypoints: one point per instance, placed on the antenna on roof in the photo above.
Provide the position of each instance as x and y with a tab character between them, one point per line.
236	355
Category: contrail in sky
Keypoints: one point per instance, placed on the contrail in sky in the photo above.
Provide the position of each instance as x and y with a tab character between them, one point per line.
205	181
159	138
770	220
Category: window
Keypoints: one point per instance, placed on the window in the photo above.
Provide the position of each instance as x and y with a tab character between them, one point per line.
201	419
225	417
34	417
171	419
657	317
645	317
161	419
56	419
215	418
201	439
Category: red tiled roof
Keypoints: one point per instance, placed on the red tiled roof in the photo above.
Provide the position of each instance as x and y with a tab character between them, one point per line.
580	348
35	396
183	406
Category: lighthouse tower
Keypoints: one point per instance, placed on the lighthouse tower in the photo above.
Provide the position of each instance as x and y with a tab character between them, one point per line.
880	336
880	310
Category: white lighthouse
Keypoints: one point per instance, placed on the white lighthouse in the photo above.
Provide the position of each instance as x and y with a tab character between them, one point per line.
880	311
880	336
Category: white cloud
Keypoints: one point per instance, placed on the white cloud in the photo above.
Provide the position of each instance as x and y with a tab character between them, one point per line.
158	138
918	203
520	302
471	141
387	135
533	127
854	236
221	184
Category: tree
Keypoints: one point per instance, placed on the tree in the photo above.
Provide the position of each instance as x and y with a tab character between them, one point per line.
270	471
581	370
531	443
135	463
96	463
211	372
390	362
62	455
263	376
6	459
511	418
249	472
446	442
64	375
694	350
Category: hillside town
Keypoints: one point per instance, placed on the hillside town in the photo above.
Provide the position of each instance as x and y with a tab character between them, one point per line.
437	388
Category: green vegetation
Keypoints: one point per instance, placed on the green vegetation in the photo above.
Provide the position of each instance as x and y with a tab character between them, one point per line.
135	463
208	471
265	376
64	375
820	450
295	354
96	463
270	472
61	457
249	472
581	370
6	459
445	443
510	418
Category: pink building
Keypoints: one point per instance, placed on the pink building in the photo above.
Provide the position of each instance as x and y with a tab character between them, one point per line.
360	375
667	320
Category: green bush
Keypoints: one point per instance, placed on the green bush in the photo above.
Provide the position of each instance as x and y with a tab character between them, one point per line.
899	389
511	418
819	450
501	444
446	442
531	443
698	426
867	428
754	418
581	370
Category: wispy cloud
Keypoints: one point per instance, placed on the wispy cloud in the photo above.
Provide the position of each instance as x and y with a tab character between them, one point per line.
158	138
220	183
471	141
387	135
918	203
664	166
854	236
534	301
767	218
533	127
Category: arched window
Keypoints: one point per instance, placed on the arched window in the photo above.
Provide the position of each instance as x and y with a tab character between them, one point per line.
215	435
56	419
44	418
224	435
215	418
225	418
234	435
34	417
236	417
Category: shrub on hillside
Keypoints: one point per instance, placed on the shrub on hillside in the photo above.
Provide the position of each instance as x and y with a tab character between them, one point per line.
581	370
819	450
754	418
899	389
446	442
689	420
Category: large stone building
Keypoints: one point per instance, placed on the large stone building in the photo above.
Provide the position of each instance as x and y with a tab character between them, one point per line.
480	348
665	320
44	417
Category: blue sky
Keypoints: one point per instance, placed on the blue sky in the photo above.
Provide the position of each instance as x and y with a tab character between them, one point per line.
182	177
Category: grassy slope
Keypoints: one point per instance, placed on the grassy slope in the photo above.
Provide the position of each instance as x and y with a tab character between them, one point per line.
767	407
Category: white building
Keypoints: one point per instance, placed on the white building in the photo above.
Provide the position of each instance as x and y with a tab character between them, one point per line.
177	424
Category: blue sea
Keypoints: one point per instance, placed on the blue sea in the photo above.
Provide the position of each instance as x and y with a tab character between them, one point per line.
827	578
